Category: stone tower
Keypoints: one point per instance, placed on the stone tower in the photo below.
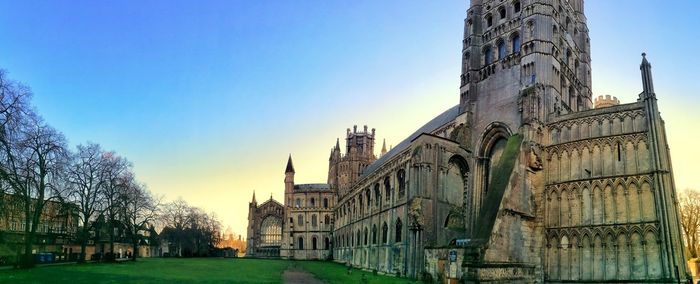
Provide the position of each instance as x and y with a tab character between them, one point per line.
251	237
591	188
343	171
288	181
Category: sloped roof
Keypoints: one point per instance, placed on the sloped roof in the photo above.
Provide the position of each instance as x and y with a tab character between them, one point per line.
290	167
312	186
440	120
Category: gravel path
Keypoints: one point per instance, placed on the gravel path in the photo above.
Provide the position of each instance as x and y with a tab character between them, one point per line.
299	276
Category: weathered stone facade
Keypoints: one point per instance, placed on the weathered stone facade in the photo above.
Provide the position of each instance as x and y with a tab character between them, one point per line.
523	181
264	234
299	229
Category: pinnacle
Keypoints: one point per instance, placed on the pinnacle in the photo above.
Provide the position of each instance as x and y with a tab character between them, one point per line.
290	167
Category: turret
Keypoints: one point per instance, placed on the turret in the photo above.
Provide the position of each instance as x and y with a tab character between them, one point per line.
254	203
647	82
289	176
606	101
383	147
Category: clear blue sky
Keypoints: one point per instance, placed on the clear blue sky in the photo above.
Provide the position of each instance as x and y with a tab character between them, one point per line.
208	98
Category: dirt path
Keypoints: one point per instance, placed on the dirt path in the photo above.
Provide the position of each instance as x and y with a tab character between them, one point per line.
294	275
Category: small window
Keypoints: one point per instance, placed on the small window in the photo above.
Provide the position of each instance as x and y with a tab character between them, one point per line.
501	50
489	20
327	220
377	195
502	13
313	202
516	44
401	177
301	243
313	243
516	6
366	236
298	202
385	231
488	57
314	220
325	203
300	220
374	234
387	189
398	230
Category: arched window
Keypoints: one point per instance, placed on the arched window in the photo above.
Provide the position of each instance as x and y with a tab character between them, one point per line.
301	243
314	220
298	202
377	195
398	230
369	198
489	20
327	244
374	234
387	189
327	220
401	177
516	6
516	43
502	12
325	203
313	243
300	220
385	232
501	50
291	221
358	239
488	56
313	202
366	236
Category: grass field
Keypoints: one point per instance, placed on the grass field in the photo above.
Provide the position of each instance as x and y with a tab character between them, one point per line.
193	270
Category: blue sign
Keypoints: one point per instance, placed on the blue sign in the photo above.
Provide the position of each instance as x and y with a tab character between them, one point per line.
453	255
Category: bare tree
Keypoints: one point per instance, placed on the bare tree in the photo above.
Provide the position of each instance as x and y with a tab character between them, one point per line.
117	175
86	188
176	216
14	103
690	219
32	160
141	208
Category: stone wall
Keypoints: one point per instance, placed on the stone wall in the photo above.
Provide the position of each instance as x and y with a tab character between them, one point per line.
601	217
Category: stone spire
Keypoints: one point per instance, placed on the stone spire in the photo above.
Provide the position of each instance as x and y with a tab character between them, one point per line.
254	202
383	147
290	167
337	144
647	82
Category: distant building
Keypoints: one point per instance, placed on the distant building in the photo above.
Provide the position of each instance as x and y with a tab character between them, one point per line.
56	231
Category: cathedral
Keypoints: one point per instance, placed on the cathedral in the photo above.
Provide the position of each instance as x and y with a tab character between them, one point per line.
527	180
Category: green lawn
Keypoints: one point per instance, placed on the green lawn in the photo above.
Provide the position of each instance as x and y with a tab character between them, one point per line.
199	270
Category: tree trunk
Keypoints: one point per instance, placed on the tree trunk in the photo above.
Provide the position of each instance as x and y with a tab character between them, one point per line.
27	259
111	235
83	245
135	249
